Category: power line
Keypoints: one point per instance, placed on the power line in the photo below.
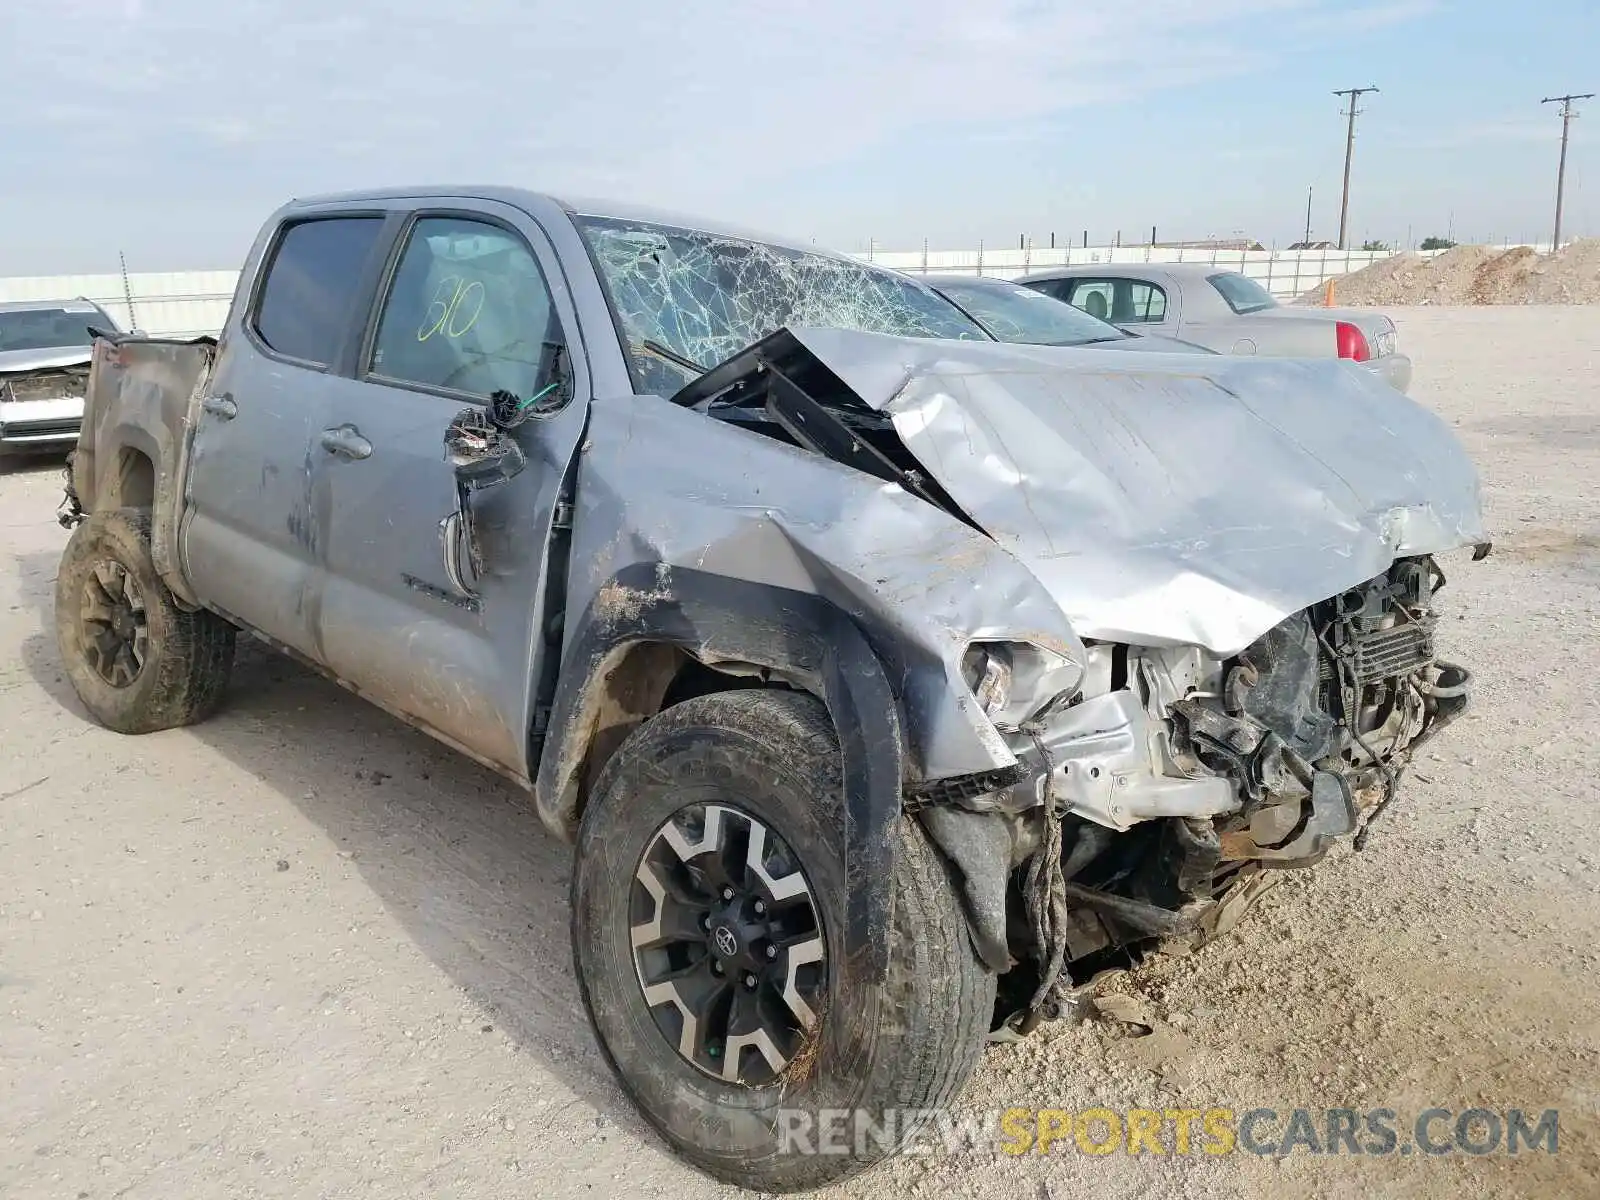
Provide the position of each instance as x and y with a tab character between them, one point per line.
1349	149
1567	113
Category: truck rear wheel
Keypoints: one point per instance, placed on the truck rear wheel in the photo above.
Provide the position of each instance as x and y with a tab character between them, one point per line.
138	662
708	911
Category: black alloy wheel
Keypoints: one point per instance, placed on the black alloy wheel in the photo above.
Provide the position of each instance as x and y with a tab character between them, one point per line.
116	631
727	943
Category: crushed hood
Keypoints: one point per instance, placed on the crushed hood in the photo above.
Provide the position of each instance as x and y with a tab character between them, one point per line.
1165	498
13	362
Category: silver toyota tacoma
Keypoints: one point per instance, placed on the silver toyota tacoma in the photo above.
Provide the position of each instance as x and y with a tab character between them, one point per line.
893	683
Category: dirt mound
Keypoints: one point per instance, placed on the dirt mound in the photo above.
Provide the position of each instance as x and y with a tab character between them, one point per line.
1381	283
1570	276
1475	275
1503	279
1454	274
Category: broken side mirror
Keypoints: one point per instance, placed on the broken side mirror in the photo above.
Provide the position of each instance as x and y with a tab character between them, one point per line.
480	452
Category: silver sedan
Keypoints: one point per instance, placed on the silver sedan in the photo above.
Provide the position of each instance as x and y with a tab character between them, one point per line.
1009	312
1225	311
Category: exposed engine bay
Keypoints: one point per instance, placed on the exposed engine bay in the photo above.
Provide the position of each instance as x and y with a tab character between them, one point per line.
1168	823
49	383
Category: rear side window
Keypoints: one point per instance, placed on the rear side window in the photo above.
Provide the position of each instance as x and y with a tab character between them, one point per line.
309	295
1244	295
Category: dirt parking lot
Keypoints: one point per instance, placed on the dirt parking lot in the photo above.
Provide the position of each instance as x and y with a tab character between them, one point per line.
303	951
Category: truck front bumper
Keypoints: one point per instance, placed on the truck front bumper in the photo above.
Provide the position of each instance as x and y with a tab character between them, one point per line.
40	424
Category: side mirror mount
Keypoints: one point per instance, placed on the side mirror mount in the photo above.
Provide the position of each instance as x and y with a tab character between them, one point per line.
481	454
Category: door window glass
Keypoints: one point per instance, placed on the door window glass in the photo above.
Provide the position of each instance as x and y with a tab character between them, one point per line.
1121	301
1056	289
468	312
1094	297
309	295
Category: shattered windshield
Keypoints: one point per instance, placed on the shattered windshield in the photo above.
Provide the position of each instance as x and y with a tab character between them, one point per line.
1013	313
684	296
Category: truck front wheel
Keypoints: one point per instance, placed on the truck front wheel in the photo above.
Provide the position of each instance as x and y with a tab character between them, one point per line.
708	912
138	662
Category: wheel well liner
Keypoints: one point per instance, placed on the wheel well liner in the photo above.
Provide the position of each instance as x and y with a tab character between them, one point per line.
132	482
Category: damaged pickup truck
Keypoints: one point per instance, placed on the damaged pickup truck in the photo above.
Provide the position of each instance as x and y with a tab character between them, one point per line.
892	682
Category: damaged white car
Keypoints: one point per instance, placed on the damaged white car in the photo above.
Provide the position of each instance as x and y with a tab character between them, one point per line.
44	367
891	681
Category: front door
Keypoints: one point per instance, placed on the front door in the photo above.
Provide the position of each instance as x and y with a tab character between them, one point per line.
253	507
1137	305
466	313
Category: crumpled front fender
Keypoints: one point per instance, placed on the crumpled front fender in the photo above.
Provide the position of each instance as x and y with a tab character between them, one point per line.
803	640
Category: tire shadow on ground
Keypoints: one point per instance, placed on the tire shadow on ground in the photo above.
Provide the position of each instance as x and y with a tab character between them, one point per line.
456	854
32	462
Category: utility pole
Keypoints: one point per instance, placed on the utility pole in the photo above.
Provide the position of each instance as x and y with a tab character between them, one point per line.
1308	218
1567	114
1349	149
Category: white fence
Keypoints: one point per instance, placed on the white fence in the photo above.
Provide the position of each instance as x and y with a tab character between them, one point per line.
168	304
186	303
1284	273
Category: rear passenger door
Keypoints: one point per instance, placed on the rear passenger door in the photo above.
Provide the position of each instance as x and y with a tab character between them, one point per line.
471	303
253	505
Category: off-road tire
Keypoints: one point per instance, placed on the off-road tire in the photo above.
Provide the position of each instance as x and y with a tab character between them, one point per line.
189	655
907	1046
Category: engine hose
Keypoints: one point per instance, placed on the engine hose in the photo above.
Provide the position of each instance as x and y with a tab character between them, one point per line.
1448	692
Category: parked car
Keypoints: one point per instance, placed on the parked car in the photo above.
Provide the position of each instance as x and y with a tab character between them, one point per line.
1010	312
891	682
1227	312
44	367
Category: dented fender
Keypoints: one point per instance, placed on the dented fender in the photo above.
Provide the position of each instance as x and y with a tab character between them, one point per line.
803	639
776	525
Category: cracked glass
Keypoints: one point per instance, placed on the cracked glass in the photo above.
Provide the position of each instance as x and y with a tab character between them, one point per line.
703	297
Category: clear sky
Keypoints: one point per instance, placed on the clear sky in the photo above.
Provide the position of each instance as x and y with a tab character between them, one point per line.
170	128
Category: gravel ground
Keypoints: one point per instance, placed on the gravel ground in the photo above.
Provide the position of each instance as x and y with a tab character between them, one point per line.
303	951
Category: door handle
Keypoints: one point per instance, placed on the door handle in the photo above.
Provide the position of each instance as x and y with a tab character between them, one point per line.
450	544
221	406
346	441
